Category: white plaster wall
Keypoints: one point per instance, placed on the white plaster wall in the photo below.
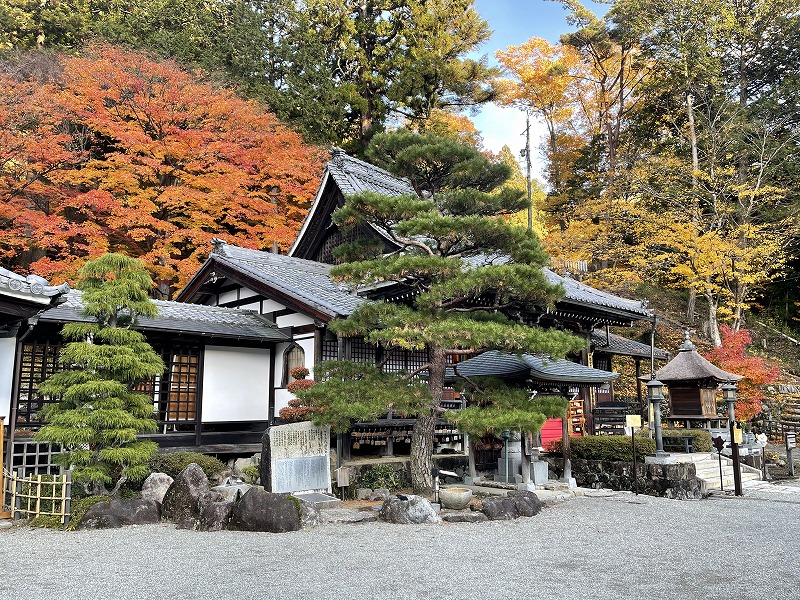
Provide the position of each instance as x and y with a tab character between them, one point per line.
270	306
245	292
256	306
282	395
7	348
235	384
229	296
294	320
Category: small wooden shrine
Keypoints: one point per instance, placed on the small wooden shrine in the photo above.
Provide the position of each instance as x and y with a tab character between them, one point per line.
692	382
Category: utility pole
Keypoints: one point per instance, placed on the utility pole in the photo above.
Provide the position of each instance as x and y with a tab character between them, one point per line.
527	153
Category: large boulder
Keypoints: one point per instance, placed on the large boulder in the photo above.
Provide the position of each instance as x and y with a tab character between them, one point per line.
408	510
215	516
516	504
155	486
259	510
187	496
118	513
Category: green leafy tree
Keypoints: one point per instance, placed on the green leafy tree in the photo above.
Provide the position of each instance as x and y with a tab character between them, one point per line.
97	412
471	276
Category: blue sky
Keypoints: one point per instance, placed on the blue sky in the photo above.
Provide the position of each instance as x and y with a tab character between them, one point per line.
513	22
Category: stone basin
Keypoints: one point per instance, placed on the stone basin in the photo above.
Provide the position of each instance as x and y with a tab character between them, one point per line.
455	498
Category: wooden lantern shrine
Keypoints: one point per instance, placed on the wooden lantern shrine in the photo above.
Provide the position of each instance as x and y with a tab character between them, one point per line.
693	382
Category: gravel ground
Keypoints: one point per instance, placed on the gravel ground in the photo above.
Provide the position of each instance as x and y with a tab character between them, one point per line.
617	546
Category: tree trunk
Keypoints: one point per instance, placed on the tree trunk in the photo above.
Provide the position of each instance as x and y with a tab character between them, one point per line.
425	427
713	324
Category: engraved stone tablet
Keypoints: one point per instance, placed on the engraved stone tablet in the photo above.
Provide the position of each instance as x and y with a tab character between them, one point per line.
295	458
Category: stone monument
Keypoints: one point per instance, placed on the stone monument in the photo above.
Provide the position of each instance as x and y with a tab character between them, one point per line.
295	458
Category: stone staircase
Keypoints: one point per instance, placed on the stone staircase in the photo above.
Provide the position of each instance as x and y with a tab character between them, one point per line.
707	468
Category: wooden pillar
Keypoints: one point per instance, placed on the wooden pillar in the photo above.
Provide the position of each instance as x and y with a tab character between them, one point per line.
3	514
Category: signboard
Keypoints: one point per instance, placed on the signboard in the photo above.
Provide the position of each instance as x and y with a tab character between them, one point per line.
791	440
633	420
737	435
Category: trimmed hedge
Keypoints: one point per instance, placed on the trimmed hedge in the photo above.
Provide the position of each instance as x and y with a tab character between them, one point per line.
606	447
172	463
701	438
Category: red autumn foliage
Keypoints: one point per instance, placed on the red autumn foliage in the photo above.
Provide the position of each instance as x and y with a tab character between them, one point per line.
732	356
297	410
125	153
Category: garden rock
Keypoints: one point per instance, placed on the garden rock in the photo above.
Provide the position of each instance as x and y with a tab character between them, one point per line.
215	516
155	486
348	516
515	504
240	464
187	496
380	495
363	493
259	510
118	513
231	493
408	510
309	514
461	516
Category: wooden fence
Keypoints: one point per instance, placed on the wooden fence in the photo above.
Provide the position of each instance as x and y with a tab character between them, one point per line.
40	495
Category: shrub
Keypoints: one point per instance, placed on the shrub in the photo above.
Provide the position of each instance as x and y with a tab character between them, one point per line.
251	474
701	438
79	507
47	522
606	447
173	463
381	476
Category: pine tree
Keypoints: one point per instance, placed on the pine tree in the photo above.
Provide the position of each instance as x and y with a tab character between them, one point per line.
472	278
98	412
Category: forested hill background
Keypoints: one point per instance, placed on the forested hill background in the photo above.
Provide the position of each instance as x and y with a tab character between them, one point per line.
149	127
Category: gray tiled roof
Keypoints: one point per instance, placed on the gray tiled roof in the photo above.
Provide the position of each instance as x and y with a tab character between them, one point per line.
31	288
353	176
688	365
537	367
305	280
584	294
617	344
210	321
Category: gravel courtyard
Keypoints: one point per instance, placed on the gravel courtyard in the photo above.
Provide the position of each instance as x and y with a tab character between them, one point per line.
616	546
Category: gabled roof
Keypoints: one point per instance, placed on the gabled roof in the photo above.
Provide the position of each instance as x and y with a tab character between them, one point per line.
689	366
351	176
540	368
619	345
177	317
306	282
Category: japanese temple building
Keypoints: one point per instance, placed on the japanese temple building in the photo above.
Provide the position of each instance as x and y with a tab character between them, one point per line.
247	317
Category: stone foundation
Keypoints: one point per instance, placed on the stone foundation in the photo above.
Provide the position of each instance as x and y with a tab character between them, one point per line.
676	481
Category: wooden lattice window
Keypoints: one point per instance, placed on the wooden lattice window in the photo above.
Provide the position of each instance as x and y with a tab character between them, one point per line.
362	352
330	349
39	360
181	384
405	360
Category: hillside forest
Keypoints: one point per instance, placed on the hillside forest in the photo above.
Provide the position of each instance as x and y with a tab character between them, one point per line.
149	127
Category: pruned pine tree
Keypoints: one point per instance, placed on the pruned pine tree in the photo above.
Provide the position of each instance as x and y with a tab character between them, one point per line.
98	412
470	276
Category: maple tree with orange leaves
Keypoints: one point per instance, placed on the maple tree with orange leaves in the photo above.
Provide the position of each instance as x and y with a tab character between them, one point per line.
125	153
732	357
